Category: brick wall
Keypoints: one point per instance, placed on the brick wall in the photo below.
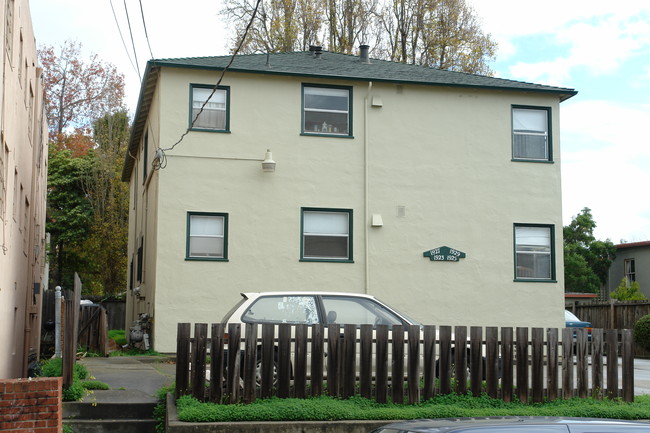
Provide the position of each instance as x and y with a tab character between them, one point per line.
31	405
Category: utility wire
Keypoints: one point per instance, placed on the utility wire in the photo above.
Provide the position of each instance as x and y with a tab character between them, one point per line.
146	35
161	152
122	37
135	54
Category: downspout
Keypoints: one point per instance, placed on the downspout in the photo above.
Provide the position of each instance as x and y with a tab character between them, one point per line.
365	186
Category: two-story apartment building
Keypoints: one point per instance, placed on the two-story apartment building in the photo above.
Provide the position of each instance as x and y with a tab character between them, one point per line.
437	191
23	187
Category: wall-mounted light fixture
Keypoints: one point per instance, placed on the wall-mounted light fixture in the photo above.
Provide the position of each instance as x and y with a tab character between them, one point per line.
268	165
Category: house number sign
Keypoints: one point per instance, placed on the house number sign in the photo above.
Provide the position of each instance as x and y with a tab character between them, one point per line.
444	254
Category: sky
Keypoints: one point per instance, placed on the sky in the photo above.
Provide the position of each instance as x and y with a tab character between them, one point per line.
600	48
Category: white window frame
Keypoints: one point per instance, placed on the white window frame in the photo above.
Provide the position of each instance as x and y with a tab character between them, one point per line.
220	236
307	230
531	123
534	241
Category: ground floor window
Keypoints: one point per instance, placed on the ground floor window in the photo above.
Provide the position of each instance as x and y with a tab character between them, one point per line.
207	236
534	255
326	234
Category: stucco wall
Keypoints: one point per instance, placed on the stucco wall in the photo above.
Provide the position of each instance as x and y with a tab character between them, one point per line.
641	256
441	155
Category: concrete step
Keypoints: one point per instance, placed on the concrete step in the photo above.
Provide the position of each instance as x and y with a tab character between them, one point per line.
127	411
119	425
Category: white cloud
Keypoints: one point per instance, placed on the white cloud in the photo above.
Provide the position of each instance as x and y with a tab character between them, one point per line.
605	161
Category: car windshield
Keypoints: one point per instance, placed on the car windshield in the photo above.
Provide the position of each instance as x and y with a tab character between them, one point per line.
570	317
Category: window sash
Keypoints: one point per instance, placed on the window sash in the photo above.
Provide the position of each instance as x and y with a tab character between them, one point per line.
326	110
326	235
530	134
214	114
206	238
534	255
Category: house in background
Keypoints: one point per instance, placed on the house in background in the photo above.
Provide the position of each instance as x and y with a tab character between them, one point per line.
439	192
23	188
632	262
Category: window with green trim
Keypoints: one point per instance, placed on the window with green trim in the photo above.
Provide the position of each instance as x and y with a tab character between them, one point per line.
534	252
326	234
213	115
531	138
207	236
326	110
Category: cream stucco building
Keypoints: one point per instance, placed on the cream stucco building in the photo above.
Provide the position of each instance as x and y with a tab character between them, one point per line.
23	183
377	166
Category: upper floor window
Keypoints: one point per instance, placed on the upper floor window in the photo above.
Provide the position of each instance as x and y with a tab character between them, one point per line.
326	110
534	255
214	115
326	234
531	134
207	236
630	271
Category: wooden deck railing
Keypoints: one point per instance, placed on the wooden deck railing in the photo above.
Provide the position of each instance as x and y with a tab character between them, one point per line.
300	361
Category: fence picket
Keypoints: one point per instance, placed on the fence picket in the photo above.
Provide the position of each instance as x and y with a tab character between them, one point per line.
476	360
317	335
413	370
552	365
522	364
216	363
182	359
567	363
381	389
300	363
597	364
365	367
284	360
232	384
398	364
429	361
537	368
492	361
444	363
198	360
250	363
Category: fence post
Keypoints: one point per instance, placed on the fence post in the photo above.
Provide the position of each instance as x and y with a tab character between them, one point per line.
57	321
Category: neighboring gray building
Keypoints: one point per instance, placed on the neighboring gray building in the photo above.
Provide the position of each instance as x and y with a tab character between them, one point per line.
632	263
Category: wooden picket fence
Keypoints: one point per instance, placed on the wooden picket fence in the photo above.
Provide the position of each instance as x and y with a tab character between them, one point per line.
505	363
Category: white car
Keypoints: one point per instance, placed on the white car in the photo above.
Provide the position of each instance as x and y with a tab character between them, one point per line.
313	308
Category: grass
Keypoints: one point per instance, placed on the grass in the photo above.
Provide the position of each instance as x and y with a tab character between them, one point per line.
448	406
118	335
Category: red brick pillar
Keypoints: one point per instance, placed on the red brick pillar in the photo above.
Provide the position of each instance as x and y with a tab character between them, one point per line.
32	405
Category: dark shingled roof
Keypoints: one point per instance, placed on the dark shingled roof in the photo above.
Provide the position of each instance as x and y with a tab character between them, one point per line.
330	66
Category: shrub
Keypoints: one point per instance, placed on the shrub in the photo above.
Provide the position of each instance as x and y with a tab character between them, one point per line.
54	368
642	332
627	293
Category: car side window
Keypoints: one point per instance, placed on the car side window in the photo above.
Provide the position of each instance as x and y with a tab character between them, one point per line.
357	311
282	309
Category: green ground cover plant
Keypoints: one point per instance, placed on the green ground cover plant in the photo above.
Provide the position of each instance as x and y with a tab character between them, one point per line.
118	335
54	368
448	406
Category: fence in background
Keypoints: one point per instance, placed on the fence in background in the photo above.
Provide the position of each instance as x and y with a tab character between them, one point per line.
614	315
506	363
